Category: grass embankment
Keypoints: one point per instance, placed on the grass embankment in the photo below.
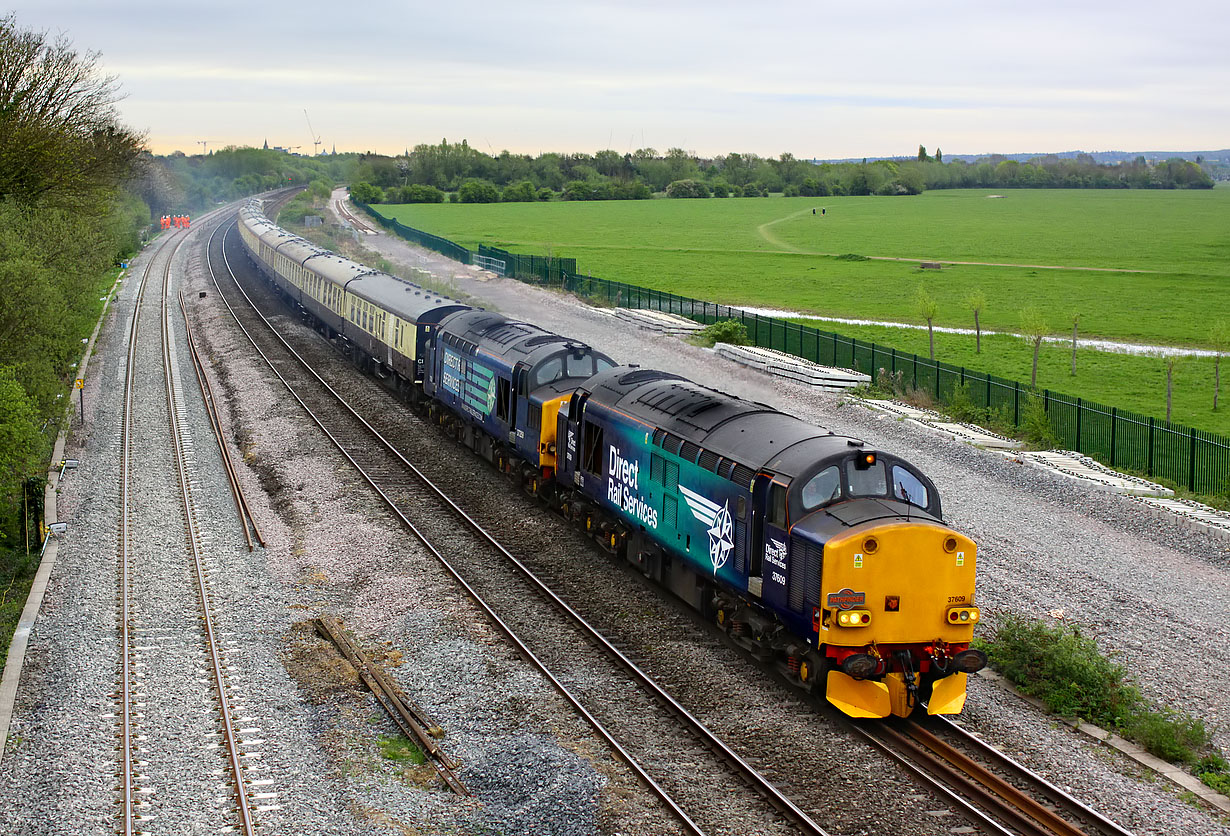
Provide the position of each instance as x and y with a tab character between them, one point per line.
16	578
17	568
773	253
1061	666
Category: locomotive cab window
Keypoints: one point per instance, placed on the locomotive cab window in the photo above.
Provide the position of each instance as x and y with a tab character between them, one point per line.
549	371
909	488
868	480
502	399
593	448
777	505
822	488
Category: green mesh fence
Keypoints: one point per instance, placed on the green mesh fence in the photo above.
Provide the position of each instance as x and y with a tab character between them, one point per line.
1197	460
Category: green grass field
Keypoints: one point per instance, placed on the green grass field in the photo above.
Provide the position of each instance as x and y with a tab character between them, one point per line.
1140	266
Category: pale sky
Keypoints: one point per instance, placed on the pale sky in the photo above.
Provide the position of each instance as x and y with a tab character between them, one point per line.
818	79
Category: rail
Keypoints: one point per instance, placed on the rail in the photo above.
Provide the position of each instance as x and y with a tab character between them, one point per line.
761	784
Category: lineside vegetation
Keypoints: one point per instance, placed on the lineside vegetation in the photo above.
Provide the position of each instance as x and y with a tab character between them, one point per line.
1062	666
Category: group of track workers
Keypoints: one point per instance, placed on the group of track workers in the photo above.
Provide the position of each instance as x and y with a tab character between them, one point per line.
176	222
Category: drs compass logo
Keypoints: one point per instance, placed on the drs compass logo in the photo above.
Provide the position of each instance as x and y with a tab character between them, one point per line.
717	517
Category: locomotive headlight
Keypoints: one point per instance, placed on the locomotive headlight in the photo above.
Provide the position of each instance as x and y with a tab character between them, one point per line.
969	661
860	665
853	618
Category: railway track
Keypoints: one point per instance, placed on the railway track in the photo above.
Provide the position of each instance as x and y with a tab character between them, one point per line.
156	643
1020	800
351	218
1012	812
637	718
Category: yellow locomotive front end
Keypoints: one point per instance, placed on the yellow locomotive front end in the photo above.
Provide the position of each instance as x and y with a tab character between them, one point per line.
896	617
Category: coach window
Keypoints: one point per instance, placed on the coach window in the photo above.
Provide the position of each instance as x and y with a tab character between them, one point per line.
824	487
908	487
867	481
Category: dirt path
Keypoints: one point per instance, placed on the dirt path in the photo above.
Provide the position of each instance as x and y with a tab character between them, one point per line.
764	231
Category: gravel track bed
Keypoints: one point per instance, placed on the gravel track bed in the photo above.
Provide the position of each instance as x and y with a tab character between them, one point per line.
717	684
1155	594
59	773
1149	591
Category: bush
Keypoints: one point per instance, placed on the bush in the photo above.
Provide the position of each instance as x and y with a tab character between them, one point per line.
729	331
1066	671
522	192
1168	735
578	190
1036	424
721	189
545	194
962	407
422	194
478	191
811	187
366	193
1063	668
631	191
687	189
1214	771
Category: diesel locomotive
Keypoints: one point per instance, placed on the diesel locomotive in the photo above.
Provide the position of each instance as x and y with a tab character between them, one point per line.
821	556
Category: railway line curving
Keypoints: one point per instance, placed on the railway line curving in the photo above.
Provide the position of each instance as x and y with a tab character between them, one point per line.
1013	811
149	565
579	653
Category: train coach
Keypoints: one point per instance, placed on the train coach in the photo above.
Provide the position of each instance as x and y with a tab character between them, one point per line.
385	323
819	555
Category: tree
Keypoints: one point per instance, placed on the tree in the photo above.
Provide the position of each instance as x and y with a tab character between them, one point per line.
1076	318
60	138
922	154
1171	361
1219	337
1034	326
939	155
976	301
927	307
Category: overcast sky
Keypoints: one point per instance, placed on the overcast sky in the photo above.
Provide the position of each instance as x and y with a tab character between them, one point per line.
818	79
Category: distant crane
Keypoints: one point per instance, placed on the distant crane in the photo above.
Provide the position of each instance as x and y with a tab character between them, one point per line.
204	143
315	137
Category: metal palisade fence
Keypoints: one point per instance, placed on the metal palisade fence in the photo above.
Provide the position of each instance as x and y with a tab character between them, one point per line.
1194	459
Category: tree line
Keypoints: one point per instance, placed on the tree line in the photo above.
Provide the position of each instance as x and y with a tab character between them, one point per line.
457	171
66	218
